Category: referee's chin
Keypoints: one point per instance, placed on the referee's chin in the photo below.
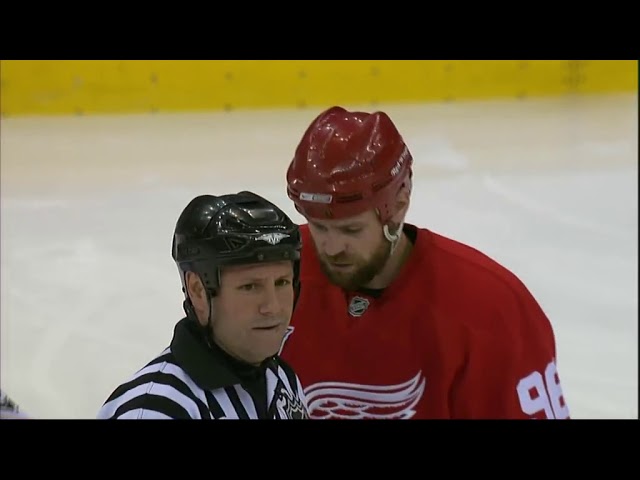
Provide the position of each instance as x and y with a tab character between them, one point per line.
265	342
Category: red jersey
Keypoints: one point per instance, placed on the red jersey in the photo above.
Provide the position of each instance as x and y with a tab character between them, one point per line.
456	335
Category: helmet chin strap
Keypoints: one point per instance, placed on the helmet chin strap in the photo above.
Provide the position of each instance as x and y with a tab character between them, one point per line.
394	238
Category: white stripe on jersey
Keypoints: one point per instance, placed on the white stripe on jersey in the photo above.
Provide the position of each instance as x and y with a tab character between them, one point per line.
166	391
174	370
246	400
285	379
272	384
143	414
225	403
167	368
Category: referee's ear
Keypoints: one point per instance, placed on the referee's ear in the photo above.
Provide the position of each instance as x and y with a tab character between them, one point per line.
198	296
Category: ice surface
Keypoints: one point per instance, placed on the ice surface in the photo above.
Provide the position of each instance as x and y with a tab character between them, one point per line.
90	293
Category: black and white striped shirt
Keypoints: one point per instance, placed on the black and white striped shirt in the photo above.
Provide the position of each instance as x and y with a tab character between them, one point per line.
190	380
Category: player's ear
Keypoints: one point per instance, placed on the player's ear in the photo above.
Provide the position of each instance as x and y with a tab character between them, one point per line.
392	229
402	204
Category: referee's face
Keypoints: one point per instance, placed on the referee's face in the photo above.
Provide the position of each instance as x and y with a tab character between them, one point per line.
253	309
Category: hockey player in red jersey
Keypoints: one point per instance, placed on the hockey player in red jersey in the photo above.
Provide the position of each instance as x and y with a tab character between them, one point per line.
395	321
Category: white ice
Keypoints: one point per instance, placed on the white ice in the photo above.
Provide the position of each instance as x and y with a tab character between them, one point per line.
90	293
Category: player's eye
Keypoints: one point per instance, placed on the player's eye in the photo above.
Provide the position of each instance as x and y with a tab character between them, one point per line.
321	228
351	230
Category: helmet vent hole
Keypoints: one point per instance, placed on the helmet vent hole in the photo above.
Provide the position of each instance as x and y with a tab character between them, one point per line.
235	243
349	198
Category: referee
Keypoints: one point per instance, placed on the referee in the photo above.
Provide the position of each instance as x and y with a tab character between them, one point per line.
238	259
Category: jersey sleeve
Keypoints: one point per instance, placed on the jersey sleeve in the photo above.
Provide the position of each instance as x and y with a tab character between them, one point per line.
152	396
142	414
511	369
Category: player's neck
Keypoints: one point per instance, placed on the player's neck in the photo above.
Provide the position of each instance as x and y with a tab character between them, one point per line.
393	266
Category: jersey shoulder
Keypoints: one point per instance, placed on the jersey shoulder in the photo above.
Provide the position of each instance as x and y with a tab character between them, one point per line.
472	268
497	302
159	390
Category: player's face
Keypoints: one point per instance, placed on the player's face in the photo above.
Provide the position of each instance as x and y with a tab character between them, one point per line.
253	309
352	251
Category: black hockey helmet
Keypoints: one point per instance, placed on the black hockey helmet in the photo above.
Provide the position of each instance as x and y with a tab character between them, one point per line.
241	228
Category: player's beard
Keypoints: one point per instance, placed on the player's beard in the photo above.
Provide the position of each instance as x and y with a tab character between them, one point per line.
364	270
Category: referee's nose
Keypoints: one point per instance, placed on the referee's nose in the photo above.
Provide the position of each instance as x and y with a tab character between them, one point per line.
270	304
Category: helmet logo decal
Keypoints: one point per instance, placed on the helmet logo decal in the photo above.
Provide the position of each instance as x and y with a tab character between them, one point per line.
396	168
316	197
272	238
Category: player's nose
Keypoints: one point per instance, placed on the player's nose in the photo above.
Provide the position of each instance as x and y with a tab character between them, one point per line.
331	246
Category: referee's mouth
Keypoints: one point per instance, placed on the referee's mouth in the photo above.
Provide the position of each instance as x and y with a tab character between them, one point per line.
267	328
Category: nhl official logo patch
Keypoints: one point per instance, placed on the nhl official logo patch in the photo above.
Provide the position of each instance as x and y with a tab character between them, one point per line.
289	406
358	306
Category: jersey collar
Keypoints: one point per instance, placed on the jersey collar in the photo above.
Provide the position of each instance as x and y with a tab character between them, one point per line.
208	365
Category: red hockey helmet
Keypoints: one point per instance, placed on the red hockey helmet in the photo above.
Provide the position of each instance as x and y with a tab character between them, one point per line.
347	163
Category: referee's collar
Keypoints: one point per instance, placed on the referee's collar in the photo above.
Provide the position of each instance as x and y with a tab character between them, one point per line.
209	366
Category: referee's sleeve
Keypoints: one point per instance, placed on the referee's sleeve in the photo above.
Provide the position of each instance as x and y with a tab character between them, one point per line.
148	400
142	414
156	391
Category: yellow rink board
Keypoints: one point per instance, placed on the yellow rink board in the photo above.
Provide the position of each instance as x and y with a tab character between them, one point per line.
128	86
